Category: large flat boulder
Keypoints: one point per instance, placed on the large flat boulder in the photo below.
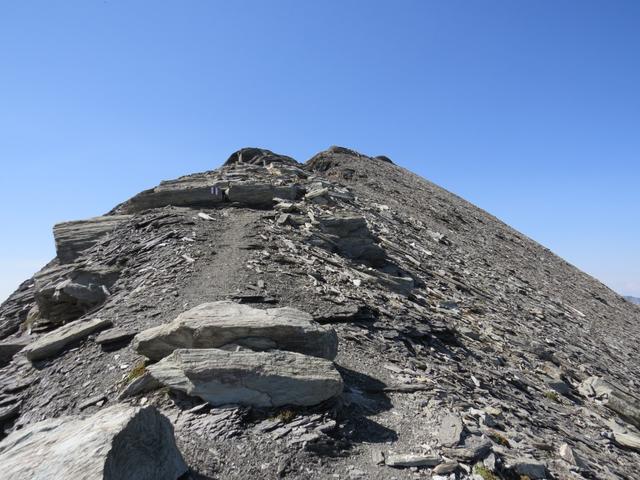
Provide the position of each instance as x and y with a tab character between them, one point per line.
54	342
260	379
117	443
72	238
216	324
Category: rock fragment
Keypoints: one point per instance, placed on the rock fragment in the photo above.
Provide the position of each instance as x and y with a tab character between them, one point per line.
411	460
450	431
114	336
54	342
261	379
117	443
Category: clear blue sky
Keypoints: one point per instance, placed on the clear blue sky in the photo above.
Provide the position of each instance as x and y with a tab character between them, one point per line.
529	109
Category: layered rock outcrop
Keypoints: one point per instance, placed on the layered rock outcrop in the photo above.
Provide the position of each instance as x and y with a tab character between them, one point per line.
118	443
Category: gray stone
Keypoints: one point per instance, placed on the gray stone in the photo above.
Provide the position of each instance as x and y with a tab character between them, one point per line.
114	335
450	431
117	443
262	379
530	468
412	460
475	447
72	238
65	292
626	405
52	343
627	440
9	348
350	236
571	456
446	467
261	195
213	325
142	384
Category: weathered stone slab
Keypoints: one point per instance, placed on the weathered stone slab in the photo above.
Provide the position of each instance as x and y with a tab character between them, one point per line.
261	379
261	195
213	325
117	443
450	431
412	460
114	335
626	405
72	238
350	236
187	192
52	343
64	293
627	440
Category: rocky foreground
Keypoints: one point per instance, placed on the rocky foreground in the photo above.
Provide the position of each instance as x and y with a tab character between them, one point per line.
341	318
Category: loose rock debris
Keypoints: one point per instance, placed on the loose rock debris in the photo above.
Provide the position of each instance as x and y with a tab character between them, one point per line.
423	336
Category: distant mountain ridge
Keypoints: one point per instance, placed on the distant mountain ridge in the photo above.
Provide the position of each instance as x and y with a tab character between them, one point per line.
635	300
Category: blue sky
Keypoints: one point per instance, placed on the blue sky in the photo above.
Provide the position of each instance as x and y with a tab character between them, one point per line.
529	109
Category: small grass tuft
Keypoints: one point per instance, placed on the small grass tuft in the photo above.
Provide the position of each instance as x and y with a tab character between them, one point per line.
286	415
499	438
484	472
136	371
552	395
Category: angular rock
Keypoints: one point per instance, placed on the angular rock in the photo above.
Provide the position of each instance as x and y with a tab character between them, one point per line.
72	238
64	293
117	443
213	325
627	440
412	460
142	384
474	448
571	456
52	343
450	431
9	348
626	405
350	236
529	468
114	335
261	379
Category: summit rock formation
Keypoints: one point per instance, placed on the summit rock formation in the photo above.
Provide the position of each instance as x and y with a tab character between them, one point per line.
339	318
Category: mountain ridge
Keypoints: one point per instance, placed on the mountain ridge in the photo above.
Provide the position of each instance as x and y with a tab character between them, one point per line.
461	341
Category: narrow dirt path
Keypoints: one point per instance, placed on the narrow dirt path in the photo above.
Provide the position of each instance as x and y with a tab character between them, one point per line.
221	270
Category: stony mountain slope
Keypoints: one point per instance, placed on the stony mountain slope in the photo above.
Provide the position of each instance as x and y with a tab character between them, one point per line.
342	318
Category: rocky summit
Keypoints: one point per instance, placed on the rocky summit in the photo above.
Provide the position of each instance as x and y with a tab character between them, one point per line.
340	318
